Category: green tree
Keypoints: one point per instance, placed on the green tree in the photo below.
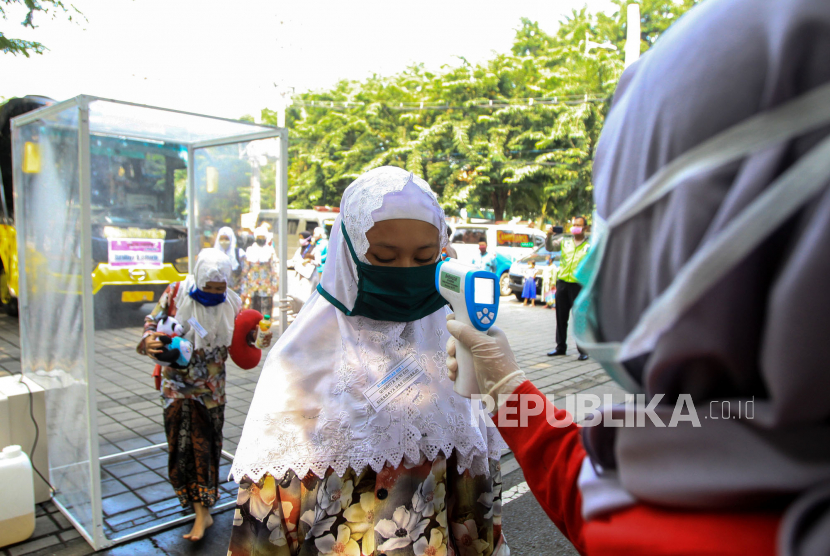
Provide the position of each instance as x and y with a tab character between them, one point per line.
515	134
53	8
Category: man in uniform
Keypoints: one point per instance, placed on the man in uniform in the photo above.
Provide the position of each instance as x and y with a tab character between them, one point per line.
574	250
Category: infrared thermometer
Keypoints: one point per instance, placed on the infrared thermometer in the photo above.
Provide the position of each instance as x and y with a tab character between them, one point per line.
474	296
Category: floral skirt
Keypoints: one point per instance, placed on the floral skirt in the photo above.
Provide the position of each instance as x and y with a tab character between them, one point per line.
423	510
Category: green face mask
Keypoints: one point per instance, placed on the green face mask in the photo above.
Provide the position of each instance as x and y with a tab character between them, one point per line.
391	293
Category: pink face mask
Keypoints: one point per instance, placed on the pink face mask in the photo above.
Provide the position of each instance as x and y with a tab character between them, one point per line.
576	230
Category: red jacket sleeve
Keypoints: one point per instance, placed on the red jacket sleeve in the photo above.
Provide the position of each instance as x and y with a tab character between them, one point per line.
550	456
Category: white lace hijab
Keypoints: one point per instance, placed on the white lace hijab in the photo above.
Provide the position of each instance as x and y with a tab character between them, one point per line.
309	412
212	265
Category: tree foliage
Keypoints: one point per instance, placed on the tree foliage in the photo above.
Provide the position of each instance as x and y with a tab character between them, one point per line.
44	8
515	134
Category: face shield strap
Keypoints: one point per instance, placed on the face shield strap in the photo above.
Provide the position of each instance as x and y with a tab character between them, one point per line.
783	198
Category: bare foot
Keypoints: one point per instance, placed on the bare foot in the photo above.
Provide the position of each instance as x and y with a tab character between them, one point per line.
203	521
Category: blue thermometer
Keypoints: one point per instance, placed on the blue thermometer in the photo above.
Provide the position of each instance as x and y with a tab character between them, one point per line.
474	296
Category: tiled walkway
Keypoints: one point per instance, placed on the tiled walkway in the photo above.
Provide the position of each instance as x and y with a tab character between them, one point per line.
135	490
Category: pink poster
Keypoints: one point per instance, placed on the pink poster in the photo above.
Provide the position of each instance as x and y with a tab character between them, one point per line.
146	253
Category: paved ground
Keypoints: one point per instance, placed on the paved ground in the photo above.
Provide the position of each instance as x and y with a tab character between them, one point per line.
527	529
135	490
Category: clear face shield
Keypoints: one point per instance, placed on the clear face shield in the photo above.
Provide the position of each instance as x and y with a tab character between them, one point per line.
783	198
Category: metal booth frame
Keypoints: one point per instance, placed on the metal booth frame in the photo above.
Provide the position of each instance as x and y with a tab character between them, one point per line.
95	533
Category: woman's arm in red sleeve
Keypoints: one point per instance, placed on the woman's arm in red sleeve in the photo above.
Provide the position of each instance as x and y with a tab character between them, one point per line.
550	456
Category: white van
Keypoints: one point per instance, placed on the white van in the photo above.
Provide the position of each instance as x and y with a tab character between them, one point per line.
506	241
298	220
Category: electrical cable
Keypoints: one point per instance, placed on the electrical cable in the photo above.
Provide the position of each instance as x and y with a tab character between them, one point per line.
37	434
432	105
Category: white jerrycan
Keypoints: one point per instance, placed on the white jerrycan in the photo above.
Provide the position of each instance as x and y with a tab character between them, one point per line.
17	497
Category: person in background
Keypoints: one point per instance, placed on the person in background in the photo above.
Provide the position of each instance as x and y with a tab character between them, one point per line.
321	257
319	239
549	283
226	243
269	234
529	286
301	273
321	244
574	250
449	250
208	240
260	279
194	397
484	260
305	245
303	262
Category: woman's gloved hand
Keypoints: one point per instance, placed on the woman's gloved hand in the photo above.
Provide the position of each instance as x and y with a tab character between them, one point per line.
497	371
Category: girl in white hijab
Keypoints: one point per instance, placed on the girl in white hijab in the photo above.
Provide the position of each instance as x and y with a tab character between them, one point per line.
324	470
194	398
226	243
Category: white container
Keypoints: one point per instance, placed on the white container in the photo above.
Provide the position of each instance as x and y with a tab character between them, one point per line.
16	420
17	496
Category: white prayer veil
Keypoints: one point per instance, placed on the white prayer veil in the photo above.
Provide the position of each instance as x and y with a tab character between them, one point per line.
309	412
231	252
212	265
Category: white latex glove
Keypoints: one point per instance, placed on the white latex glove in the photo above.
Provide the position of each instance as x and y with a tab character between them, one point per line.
497	371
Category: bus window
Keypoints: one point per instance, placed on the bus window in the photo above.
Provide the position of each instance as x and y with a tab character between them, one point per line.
134	181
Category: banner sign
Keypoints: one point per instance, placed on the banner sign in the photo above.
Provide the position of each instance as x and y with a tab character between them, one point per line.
511	239
136	253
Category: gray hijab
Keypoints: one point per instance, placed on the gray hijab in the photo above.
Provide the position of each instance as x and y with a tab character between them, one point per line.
762	332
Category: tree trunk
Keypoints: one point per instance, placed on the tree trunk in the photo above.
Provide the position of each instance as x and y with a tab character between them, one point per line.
499	198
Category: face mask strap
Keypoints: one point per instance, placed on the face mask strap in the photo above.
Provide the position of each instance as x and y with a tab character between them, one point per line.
797	117
794	118
330	298
779	201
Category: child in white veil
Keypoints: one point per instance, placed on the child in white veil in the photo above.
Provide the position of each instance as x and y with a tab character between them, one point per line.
324	470
226	243
194	396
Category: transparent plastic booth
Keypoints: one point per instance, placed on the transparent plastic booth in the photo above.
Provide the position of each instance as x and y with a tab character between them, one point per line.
113	202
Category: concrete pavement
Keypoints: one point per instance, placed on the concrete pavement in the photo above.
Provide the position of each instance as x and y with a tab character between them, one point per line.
135	490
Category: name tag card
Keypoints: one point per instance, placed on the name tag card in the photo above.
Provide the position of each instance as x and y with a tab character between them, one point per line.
200	330
396	381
